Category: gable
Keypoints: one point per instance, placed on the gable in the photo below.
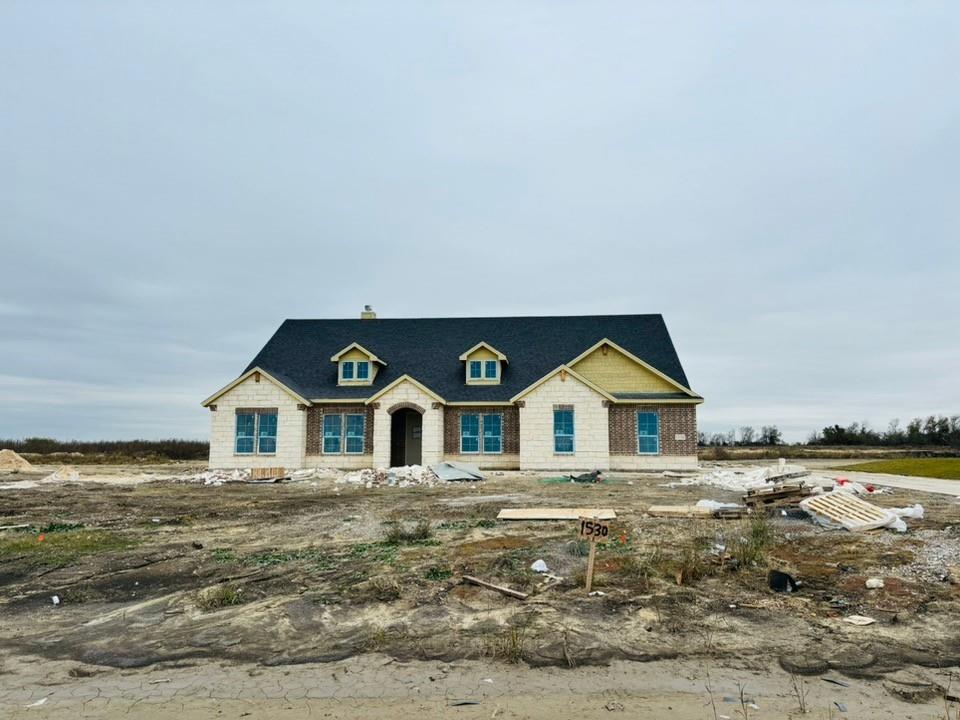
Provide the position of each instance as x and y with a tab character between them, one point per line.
482	353
617	373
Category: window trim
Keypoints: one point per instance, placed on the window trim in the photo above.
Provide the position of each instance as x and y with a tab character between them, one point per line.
324	436
656	414
363	436
572	435
496	369
356	370
353	374
470	365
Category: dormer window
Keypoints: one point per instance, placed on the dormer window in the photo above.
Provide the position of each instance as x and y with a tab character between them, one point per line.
483	364
356	365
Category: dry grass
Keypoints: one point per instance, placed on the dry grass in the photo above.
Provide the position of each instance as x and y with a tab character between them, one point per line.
219	596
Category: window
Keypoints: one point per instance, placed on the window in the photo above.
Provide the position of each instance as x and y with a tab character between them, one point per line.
344	433
245	434
363	370
490	369
470	433
648	433
267	434
563	432
354	432
475	367
346	370
332	427
256	432
493	434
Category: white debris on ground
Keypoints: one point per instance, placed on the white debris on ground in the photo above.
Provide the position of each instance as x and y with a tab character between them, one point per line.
743	478
12	462
64	473
404	476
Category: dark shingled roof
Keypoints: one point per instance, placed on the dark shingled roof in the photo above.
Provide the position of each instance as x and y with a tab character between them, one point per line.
428	350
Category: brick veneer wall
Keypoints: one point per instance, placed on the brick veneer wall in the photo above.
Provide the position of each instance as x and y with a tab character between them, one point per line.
315	425
674	420
511	426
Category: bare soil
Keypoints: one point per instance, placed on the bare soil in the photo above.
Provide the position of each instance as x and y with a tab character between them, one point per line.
275	577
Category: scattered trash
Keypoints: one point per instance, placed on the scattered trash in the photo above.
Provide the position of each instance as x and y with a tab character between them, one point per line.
41	701
613	706
404	476
777	495
539	566
859	620
453	471
64	473
157	682
591	477
597	593
841	683
458	703
781	582
874	583
840	706
55	599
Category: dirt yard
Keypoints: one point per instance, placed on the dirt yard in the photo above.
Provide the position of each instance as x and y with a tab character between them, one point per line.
316	596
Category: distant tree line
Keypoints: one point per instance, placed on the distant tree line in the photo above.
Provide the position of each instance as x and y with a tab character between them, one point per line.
747	436
162	449
933	430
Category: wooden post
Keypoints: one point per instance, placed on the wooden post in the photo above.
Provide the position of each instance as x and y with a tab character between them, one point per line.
593	554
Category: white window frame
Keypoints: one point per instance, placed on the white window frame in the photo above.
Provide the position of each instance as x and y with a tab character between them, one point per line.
496	370
356	370
353	371
636	423
470	377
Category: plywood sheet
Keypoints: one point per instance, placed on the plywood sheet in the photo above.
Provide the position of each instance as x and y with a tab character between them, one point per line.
679	511
555	513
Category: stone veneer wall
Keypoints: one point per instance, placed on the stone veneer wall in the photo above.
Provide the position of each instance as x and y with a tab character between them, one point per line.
291	426
432	437
590	425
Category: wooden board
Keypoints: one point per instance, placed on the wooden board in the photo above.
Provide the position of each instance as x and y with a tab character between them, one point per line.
555	513
679	511
847	510
267	473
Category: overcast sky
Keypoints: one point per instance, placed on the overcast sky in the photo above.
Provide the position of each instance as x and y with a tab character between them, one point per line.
780	181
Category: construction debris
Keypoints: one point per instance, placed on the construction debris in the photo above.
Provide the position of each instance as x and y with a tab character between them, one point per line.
64	473
777	495
270	474
404	476
859	620
841	510
703	509
499	588
556	513
11	461
781	582
592	477
450	471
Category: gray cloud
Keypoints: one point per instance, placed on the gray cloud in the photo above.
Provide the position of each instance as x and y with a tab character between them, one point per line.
779	181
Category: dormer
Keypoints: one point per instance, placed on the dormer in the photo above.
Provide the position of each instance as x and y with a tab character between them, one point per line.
483	364
356	365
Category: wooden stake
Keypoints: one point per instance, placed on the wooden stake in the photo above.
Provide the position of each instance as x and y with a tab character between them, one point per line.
593	554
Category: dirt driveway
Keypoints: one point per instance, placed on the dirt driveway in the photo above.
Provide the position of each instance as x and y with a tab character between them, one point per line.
259	597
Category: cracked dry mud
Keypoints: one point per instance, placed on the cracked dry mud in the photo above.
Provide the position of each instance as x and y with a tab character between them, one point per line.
328	611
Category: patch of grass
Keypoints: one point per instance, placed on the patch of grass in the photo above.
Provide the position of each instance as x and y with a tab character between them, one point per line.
944	468
61	527
386	589
314	556
437	573
63	548
218	597
749	547
223	555
374	551
505	644
399	534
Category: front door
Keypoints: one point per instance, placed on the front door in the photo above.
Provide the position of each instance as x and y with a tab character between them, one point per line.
406	433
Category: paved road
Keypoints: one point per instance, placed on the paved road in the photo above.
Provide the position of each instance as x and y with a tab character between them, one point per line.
905	482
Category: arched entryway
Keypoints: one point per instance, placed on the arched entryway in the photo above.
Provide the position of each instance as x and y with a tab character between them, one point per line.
406	434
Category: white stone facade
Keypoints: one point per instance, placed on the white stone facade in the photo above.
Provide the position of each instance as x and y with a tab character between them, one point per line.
291	426
432	430
653	462
591	427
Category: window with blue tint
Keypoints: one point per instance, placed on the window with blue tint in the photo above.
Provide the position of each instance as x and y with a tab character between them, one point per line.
266	433
363	370
493	433
346	370
246	424
475	368
648	433
354	425
563	431
332	432
490	369
469	433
